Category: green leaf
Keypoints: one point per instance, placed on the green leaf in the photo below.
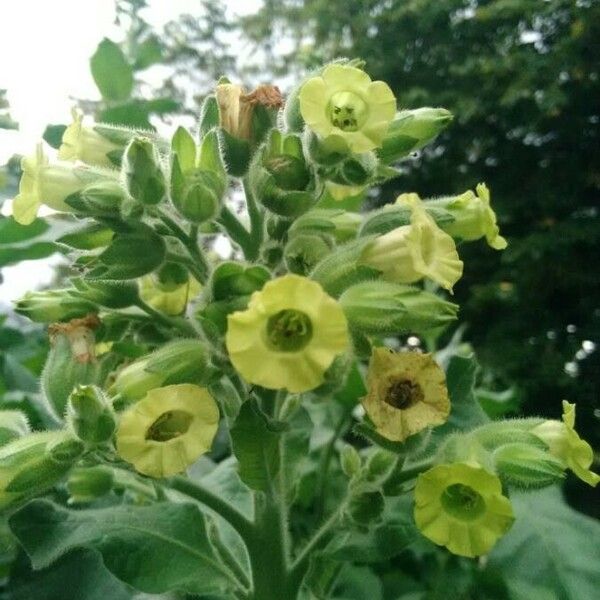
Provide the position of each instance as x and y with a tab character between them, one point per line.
158	548
148	53
87	579
256	446
111	71
551	552
53	135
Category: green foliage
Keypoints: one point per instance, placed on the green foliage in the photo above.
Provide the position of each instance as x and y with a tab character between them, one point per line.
111	71
154	548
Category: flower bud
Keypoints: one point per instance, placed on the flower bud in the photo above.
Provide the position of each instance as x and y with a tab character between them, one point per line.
380	307
365	507
526	466
52	305
181	361
380	465
34	463
86	484
231	279
101	199
13	425
90	415
280	177
71	361
411	130
198	183
112	294
350	460
473	217
304	251
99	145
143	176
42	183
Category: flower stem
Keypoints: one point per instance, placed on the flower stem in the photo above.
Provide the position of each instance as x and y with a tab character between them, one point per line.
178	323
237	232
256	221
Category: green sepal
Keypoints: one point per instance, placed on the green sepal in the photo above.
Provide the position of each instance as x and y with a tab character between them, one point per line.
390	217
209	115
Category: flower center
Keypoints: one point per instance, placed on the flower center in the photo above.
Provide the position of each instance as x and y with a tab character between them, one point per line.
289	330
403	393
169	425
347	111
462	502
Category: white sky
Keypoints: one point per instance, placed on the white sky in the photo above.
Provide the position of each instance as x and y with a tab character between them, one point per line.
45	47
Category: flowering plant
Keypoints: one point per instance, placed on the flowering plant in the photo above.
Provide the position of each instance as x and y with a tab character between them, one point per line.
245	426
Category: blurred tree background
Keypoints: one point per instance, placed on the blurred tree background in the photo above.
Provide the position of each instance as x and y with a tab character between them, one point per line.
522	78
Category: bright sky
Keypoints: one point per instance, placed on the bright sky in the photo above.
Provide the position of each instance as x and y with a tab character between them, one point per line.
45	47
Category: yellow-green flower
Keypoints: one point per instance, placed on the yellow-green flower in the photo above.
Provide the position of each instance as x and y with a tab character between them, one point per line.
42	183
345	103
406	393
288	336
462	507
166	431
411	252
564	443
473	217
86	144
169	299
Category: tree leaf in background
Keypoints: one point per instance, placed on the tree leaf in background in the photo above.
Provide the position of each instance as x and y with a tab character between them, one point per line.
87	579
136	113
552	551
154	548
53	135
111	71
148	53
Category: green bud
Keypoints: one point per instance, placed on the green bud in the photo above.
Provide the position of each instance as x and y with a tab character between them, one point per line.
231	279
51	306
280	177
34	463
90	415
525	466
13	425
411	130
380	465
350	460
304	251
180	361
380	307
112	294
171	276
86	484
365	507
100	199
143	175
198	184
357	170
342	225
71	361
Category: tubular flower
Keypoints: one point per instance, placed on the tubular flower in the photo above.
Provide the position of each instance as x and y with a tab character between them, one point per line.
288	336
166	431
406	393
411	252
42	183
564	443
473	217
88	145
345	103
462	508
171	300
